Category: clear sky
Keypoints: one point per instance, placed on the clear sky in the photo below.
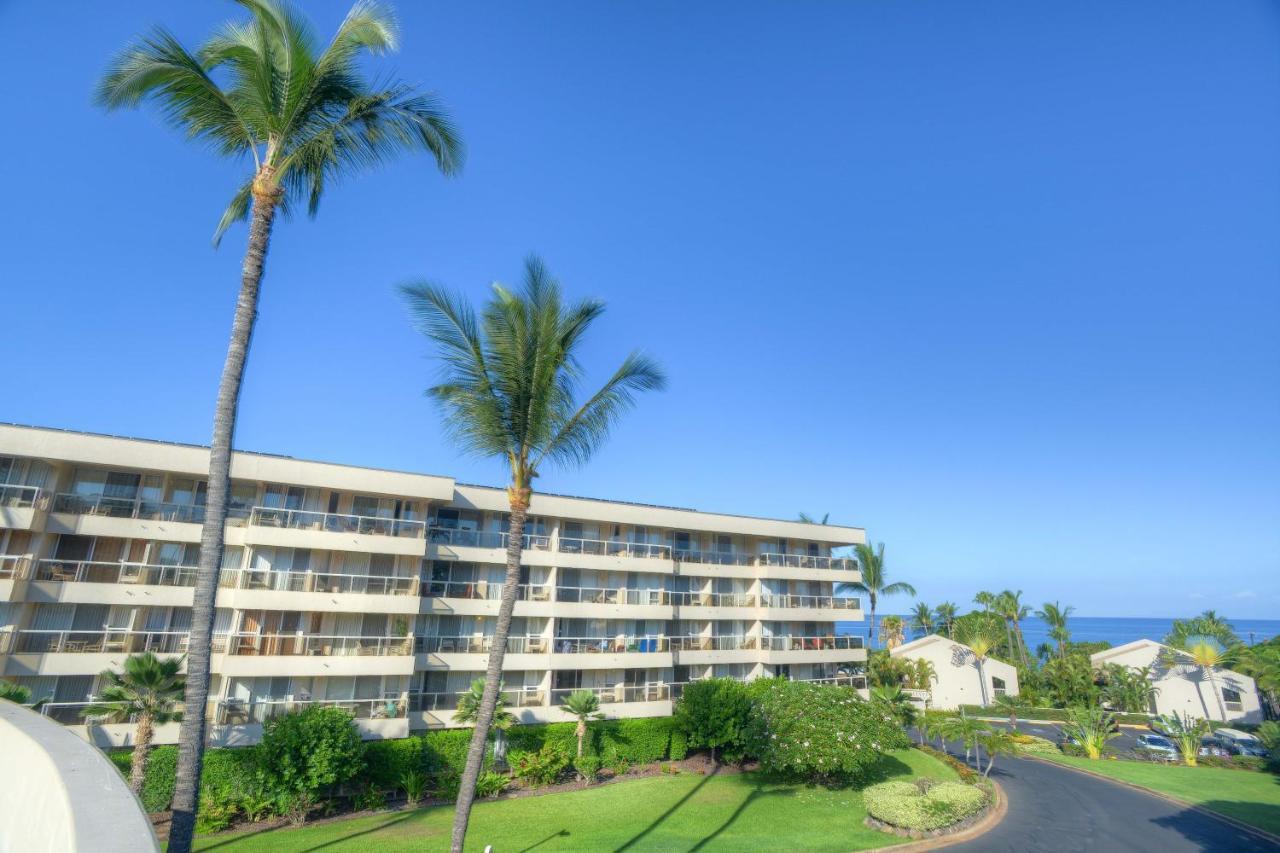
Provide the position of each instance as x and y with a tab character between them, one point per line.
998	281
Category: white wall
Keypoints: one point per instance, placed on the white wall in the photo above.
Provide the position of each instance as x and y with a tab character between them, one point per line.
1184	689
957	681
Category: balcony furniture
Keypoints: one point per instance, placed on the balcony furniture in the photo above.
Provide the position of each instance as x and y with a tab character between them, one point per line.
530	698
653	691
536	645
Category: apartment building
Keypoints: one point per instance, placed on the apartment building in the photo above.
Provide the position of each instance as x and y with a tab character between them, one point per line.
377	591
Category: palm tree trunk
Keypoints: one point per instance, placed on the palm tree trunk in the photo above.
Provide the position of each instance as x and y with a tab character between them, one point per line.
871	598
519	499
582	733
1213	687
186	789
982	683
1022	644
141	753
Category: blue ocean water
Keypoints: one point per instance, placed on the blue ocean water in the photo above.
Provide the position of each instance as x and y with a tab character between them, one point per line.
1114	630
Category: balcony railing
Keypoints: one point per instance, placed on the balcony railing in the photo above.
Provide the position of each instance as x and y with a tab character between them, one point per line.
479	644
126	507
858	682
125	642
788	643
527	697
335	522
14	496
806	561
616	694
484	539
328	582
610	548
713	599
312	645
231	712
67	713
14	566
715	558
609	645
483	590
825	602
88	571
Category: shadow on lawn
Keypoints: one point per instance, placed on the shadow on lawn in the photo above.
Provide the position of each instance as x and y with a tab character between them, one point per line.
668	813
237	838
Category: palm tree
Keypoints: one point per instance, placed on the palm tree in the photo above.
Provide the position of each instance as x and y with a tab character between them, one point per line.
266	91
945	616
1186	731
1208	654
980	641
996	742
1011	705
965	729
871	565
922	619
585	706
986	599
20	694
148	691
805	518
469	707
894	701
1015	611
1091	728
508	387
1055	616
892	631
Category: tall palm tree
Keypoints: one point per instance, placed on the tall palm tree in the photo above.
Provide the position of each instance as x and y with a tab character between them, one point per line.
922	619
584	705
873	583
945	616
986	599
148	691
892	631
508	391
1208	654
266	91
1055	616
1015	611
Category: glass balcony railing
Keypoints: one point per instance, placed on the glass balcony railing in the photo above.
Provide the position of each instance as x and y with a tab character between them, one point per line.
100	641
231	712
484	539
483	590
336	522
806	561
326	582
609	548
858	682
14	566
133	507
88	571
714	558
14	496
479	644
312	645
789	643
616	694
609	645
822	602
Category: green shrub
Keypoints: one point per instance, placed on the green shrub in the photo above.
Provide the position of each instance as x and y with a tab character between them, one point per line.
303	753
414	784
1053	714
714	713
923	807
588	767
1035	745
543	767
820	733
157	785
491	784
368	799
215	817
387	762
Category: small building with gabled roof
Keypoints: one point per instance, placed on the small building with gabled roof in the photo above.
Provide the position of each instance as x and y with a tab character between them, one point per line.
1185	687
958	678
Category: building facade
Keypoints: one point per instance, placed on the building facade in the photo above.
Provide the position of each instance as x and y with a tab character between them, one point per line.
378	591
1182	687
958	679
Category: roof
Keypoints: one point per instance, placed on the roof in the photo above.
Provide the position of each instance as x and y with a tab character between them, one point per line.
1097	657
930	639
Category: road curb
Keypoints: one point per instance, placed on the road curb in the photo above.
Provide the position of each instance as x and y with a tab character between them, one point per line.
1230	821
992	819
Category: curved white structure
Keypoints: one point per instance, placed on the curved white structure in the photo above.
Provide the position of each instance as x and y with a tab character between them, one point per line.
61	795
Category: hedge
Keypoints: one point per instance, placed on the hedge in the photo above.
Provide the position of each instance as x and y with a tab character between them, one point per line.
439	752
1052	714
923	807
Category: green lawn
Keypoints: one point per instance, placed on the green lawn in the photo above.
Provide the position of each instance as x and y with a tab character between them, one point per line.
1247	796
685	812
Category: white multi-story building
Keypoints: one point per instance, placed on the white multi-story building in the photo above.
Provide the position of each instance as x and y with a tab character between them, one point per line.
378	590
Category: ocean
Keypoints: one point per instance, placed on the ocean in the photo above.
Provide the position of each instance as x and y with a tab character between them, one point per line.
1114	630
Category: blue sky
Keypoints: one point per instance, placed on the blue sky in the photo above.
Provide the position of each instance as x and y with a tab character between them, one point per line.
997	281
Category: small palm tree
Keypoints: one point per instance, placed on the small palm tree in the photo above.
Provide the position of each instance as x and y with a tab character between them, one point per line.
148	692
893	700
1186	731
873	583
945	617
996	742
508	391
1011	705
469	707
266	91
965	729
922	619
805	518
1091	728
585	706
892	631
20	694
980	641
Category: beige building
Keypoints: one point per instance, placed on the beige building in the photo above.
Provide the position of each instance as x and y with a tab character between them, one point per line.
1183	687
377	591
959	680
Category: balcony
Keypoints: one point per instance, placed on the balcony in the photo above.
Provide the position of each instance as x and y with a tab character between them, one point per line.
483	590
100	642
857	682
477	644
607	548
322	582
721	643
13	496
615	645
139	508
86	571
14	566
713	599
527	697
484	539
713	558
311	645
788	643
818	602
331	522
232	712
617	694
805	561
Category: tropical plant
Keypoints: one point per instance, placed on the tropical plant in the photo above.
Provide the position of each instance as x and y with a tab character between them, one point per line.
1186	731
584	706
469	707
147	691
415	784
945	617
965	729
886	670
508	391
1055	616
1261	662
1208	654
986	599
980	640
266	91
714	713
805	518
1009	605
542	767
302	753
895	702
1069	681
1128	689
1207	624
873	582
20	694
1090	728
922	805
922	619
997	742
921	675
892	631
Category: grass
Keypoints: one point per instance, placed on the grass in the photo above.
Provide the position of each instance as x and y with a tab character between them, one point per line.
686	812
1247	796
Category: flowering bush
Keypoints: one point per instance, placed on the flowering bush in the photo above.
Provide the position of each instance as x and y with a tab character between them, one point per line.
820	733
923	806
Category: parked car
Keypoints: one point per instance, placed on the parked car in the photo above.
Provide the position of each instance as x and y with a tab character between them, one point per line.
1157	725
1237	742
1209	745
1157	746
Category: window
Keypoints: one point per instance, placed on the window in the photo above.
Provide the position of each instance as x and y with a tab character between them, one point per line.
997	686
1233	699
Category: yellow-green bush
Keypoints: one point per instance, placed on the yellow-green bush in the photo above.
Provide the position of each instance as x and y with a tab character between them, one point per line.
924	807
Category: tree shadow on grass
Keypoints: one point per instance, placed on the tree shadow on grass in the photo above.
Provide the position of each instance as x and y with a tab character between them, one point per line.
240	836
559	833
761	788
675	807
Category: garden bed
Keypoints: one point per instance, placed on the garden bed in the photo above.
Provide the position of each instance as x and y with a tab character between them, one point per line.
926	808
